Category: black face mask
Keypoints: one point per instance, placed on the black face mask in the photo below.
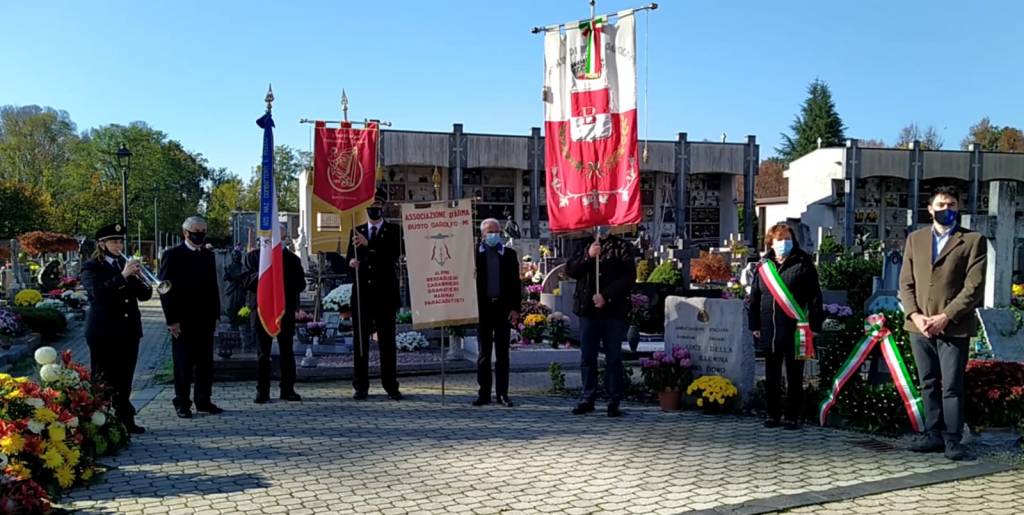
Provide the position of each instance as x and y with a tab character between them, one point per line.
197	238
374	213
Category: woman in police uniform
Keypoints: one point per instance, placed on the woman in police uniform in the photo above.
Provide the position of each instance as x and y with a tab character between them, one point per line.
114	325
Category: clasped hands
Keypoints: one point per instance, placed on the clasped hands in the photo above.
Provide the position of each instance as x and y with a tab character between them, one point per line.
930	326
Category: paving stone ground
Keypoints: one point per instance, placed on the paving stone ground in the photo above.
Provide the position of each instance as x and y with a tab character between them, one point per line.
330	454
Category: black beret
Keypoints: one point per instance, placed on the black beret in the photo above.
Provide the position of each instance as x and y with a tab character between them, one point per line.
111	231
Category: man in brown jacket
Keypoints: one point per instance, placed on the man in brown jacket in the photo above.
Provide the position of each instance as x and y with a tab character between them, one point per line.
941	284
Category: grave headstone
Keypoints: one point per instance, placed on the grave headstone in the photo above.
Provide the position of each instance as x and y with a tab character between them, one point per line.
1000	329
715	333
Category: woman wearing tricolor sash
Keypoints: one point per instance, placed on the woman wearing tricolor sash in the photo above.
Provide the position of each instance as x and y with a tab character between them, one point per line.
784	313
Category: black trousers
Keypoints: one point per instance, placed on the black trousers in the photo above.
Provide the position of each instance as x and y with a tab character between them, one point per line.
774	360
114	363
379	318
287	357
941	363
192	352
494	332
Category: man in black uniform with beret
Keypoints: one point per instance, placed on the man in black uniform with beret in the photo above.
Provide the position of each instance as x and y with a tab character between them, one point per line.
374	249
114	326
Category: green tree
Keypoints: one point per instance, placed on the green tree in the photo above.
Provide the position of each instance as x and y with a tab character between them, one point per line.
35	144
225	198
288	164
24	209
817	119
993	138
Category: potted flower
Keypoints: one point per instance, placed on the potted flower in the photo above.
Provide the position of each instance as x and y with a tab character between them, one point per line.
668	375
27	298
835	317
68	283
557	329
532	328
339	300
639	312
410	341
533	291
315	330
11	327
75	300
713	393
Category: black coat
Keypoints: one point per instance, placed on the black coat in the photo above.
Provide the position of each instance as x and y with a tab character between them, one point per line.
194	298
113	303
378	284
294	283
509	284
778	330
618	273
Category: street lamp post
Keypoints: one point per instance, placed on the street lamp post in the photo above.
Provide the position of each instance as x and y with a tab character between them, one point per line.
124	162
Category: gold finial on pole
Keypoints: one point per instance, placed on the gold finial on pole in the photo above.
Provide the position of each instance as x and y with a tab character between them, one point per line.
344	104
269	99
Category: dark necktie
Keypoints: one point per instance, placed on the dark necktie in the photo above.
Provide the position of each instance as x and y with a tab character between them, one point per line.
373	231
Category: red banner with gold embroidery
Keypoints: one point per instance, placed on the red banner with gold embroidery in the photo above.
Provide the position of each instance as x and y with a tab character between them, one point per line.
345	164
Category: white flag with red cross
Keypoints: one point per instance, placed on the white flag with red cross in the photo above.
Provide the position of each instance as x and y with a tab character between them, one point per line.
593	175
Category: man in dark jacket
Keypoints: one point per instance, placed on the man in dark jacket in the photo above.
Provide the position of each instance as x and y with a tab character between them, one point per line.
192	308
774	331
294	284
499	293
114	326
602	306
941	284
374	250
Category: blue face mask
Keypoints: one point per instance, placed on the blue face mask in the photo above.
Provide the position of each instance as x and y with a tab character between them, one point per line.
492	239
945	217
782	248
602	231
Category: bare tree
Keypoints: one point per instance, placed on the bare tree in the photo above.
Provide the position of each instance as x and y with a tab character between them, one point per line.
929	138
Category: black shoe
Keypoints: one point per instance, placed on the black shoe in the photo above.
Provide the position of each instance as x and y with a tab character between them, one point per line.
927	444
396	396
360	396
210	408
955	451
480	401
583	408
790	425
262	398
504	401
613	410
183	412
136	430
290	396
772	423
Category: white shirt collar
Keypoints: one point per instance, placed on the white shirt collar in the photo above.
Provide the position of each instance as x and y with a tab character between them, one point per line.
192	246
377	225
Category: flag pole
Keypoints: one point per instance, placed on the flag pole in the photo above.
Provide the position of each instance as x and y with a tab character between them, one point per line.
358	288
558	26
597	264
444	330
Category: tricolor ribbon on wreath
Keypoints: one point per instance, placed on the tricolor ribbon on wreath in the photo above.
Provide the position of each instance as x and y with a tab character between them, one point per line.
877	333
804	336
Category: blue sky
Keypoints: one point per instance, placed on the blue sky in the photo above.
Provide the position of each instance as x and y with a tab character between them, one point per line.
199	70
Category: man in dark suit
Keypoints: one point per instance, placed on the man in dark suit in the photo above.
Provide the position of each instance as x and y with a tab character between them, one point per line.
114	326
498	293
941	283
294	284
192	308
373	251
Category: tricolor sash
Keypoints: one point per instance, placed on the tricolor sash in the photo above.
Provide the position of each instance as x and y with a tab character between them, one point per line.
877	332
783	297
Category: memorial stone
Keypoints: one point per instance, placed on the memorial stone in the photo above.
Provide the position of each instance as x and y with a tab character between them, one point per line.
715	332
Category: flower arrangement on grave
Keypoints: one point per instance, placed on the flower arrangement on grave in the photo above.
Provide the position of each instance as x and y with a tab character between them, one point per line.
557	330
50	304
403	317
21	495
545	252
11	324
411	341
639	309
710	268
339	300
734	290
51	432
46	321
74	299
664	372
836	317
532	328
1017	295
27	298
533	291
54	293
242	317
995	394
316	328
301	317
68	283
713	392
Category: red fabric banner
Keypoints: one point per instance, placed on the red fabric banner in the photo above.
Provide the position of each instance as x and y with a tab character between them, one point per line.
345	164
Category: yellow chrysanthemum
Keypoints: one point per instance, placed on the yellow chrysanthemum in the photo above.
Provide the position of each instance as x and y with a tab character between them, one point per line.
18	469
52	458
20	380
1017	290
5	377
87	474
65	476
15	395
700	403
71	456
12	444
45	416
57	432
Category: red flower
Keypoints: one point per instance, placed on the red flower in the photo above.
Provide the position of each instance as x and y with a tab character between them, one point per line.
993	394
33	444
66	356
